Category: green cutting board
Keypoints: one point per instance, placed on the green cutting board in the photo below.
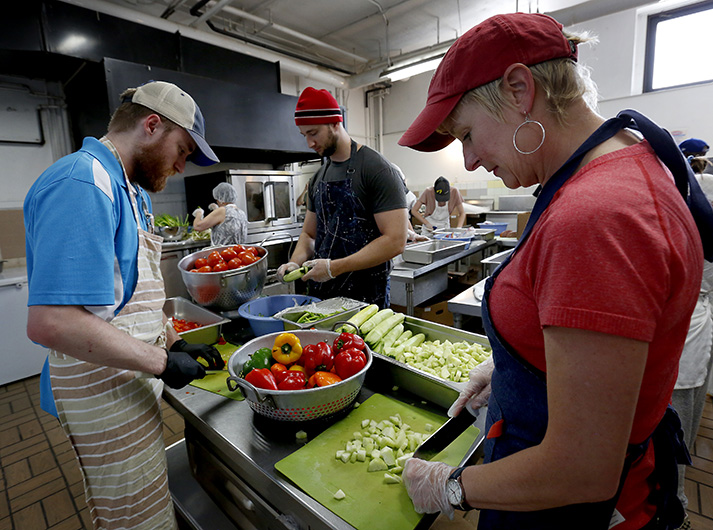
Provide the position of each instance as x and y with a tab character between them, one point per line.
216	383
369	503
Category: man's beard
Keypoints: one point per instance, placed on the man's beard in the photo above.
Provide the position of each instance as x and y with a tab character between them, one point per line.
331	147
150	170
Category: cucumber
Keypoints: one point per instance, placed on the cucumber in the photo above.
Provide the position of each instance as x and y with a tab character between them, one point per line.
374	321
378	333
295	274
390	338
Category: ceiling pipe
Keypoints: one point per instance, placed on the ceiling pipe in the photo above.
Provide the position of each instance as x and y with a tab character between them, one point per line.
300	68
292	33
568	16
590	10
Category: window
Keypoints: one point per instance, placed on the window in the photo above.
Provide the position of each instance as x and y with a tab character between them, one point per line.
679	47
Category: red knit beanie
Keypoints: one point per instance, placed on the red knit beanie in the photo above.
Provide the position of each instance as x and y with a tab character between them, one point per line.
317	106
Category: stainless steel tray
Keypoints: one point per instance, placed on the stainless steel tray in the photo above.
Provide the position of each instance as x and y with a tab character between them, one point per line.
211	324
422	384
348	307
431	251
464	234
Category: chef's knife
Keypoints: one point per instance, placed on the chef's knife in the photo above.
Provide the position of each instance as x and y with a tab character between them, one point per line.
445	435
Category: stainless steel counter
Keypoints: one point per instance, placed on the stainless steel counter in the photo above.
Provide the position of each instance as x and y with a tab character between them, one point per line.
422	282
235	450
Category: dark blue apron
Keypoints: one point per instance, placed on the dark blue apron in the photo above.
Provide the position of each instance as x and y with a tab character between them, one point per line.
517	410
344	226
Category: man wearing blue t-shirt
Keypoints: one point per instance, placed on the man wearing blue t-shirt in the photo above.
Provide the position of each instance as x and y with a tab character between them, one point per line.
96	301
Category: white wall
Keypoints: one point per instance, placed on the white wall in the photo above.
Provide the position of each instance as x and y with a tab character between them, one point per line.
616	62
21	101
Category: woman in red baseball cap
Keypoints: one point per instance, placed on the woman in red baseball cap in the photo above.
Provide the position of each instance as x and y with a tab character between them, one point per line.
588	316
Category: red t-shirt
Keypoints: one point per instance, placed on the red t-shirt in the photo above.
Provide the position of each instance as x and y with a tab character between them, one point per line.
616	252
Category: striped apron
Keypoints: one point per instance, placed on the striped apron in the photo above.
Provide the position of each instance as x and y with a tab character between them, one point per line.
113	417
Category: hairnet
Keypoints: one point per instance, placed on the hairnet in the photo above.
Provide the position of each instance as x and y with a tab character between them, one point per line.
225	192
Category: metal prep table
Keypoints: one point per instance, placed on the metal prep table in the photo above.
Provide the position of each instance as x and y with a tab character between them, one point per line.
233	453
470	300
422	282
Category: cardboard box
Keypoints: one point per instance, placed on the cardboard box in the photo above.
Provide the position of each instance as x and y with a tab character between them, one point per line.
437	312
522	219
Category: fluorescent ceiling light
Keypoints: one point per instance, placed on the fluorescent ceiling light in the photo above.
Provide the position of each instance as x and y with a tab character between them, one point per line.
403	72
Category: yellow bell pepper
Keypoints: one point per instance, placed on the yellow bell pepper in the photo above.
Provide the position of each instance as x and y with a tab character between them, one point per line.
287	348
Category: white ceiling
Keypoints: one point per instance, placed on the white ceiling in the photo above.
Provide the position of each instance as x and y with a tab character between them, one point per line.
356	36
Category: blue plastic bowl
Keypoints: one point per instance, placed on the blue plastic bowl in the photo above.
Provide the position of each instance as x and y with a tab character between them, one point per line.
498	227
259	312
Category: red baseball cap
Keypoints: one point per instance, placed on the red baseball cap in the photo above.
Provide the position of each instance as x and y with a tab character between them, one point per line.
478	57
317	106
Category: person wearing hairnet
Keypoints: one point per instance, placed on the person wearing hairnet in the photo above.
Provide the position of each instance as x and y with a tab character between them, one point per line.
228	223
694	368
588	315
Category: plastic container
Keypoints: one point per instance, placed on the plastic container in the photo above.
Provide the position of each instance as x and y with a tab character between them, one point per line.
259	312
498	227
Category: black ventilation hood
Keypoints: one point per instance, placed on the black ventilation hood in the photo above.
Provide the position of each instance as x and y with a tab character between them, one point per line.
96	56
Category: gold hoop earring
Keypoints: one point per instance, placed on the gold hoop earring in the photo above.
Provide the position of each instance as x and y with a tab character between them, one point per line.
514	135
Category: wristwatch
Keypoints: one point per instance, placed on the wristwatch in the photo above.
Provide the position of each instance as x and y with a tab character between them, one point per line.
455	492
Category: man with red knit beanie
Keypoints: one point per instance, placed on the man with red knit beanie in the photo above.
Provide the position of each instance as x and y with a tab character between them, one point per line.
356	219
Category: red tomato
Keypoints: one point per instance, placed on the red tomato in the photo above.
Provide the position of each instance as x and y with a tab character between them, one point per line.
247	257
220	267
214	258
252	250
228	254
200	262
238	248
207	268
235	263
193	270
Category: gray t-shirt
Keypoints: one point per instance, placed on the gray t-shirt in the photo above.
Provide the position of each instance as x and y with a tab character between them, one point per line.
374	181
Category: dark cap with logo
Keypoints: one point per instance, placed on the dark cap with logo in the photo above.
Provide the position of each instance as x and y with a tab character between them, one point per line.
443	189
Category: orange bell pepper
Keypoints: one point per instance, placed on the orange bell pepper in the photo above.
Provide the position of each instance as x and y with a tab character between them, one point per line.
323	379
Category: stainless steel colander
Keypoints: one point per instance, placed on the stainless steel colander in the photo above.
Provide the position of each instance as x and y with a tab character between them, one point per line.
295	405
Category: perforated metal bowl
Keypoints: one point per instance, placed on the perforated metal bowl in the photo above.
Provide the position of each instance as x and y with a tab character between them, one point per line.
295	405
227	290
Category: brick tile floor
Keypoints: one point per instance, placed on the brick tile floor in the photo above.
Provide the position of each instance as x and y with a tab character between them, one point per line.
41	485
40	481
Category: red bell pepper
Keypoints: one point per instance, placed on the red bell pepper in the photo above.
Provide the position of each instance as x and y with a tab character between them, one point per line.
293	380
317	357
348	362
348	340
262	378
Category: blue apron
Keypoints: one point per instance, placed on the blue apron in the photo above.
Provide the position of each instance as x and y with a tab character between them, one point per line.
344	227
517	410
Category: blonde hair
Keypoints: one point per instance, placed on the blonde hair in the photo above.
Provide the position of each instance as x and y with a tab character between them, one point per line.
128	114
698	163
563	81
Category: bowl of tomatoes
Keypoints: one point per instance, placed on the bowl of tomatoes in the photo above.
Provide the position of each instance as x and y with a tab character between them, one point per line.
225	277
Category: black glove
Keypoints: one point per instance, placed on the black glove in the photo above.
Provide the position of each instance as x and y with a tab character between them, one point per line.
181	369
209	353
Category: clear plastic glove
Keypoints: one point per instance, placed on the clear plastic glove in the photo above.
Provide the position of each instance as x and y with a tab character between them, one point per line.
320	270
212	206
285	268
208	353
198	213
411	235
426	485
477	389
181	369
